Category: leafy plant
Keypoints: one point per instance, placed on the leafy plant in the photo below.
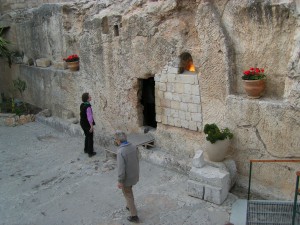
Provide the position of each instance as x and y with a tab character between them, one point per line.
20	85
254	74
4	51
214	133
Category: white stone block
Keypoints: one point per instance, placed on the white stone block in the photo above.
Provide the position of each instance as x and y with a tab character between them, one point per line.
171	121
186	98
215	194
171	78
192	126
188	89
185	124
163	78
167	111
157	77
175	105
188	116
160	94
196	99
183	106
174	113
168	95
197	117
195	189
211	176
177	122
158	110
188	79
181	115
193	108
162	86
165	103
177	97
170	87
196	90
43	62
198	160
164	119
158	118
179	88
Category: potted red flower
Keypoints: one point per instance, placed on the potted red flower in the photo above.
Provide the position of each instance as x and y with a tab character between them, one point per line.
73	62
254	82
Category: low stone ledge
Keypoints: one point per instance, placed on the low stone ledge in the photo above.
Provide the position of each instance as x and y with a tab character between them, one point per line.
12	120
61	125
159	157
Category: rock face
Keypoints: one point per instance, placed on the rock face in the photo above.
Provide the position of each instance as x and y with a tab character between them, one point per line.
123	43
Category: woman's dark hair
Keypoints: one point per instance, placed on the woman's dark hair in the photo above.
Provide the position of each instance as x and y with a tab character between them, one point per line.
85	97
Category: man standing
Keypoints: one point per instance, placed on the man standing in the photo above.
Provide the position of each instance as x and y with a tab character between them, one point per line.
128	171
87	124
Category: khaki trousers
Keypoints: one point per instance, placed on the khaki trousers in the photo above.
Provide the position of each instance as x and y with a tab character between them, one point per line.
128	194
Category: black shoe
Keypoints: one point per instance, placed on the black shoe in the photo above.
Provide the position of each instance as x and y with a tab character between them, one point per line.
134	219
92	154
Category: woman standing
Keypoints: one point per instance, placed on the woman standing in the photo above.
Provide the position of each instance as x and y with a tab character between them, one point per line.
87	124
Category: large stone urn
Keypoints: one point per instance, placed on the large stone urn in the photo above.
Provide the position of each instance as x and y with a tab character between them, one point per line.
254	88
217	151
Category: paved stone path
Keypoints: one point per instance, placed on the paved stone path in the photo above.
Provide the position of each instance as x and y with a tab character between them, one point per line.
46	179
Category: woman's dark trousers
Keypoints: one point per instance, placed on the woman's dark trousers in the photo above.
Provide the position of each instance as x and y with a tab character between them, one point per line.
89	141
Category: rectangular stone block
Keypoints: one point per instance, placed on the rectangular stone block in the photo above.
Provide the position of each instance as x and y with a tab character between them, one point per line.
215	194
170	87
183	106
185	124
181	115
188	89
186	98
174	113
165	103
195	189
43	62
212	176
158	118
177	97
197	117
163	77
188	116
164	119
175	105
168	95
196	99
177	122
192	108
196	90
162	86
188	79
179	88
171	78
171	121
192	126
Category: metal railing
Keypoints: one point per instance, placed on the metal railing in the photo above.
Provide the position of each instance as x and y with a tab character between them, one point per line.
263	212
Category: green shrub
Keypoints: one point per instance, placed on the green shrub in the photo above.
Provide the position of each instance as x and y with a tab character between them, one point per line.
214	133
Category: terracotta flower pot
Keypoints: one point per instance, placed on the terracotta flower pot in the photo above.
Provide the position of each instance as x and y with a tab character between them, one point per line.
254	88
217	152
73	66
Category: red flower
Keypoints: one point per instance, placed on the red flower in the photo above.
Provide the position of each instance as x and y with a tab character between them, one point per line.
71	58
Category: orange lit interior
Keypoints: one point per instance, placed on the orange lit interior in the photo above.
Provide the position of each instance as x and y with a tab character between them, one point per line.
190	67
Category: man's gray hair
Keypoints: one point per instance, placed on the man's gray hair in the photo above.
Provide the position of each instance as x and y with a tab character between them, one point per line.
120	135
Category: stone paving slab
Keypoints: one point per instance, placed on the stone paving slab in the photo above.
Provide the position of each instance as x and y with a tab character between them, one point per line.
45	178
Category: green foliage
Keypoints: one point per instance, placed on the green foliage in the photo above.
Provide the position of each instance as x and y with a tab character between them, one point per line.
214	133
4	51
20	85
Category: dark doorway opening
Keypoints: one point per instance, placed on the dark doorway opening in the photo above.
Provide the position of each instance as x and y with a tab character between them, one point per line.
148	101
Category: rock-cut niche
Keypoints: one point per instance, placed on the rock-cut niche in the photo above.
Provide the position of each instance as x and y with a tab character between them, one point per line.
186	63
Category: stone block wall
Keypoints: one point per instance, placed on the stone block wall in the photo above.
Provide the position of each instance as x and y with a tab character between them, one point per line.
178	99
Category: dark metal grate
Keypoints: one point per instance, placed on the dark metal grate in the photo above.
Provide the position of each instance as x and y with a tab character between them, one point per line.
261	212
